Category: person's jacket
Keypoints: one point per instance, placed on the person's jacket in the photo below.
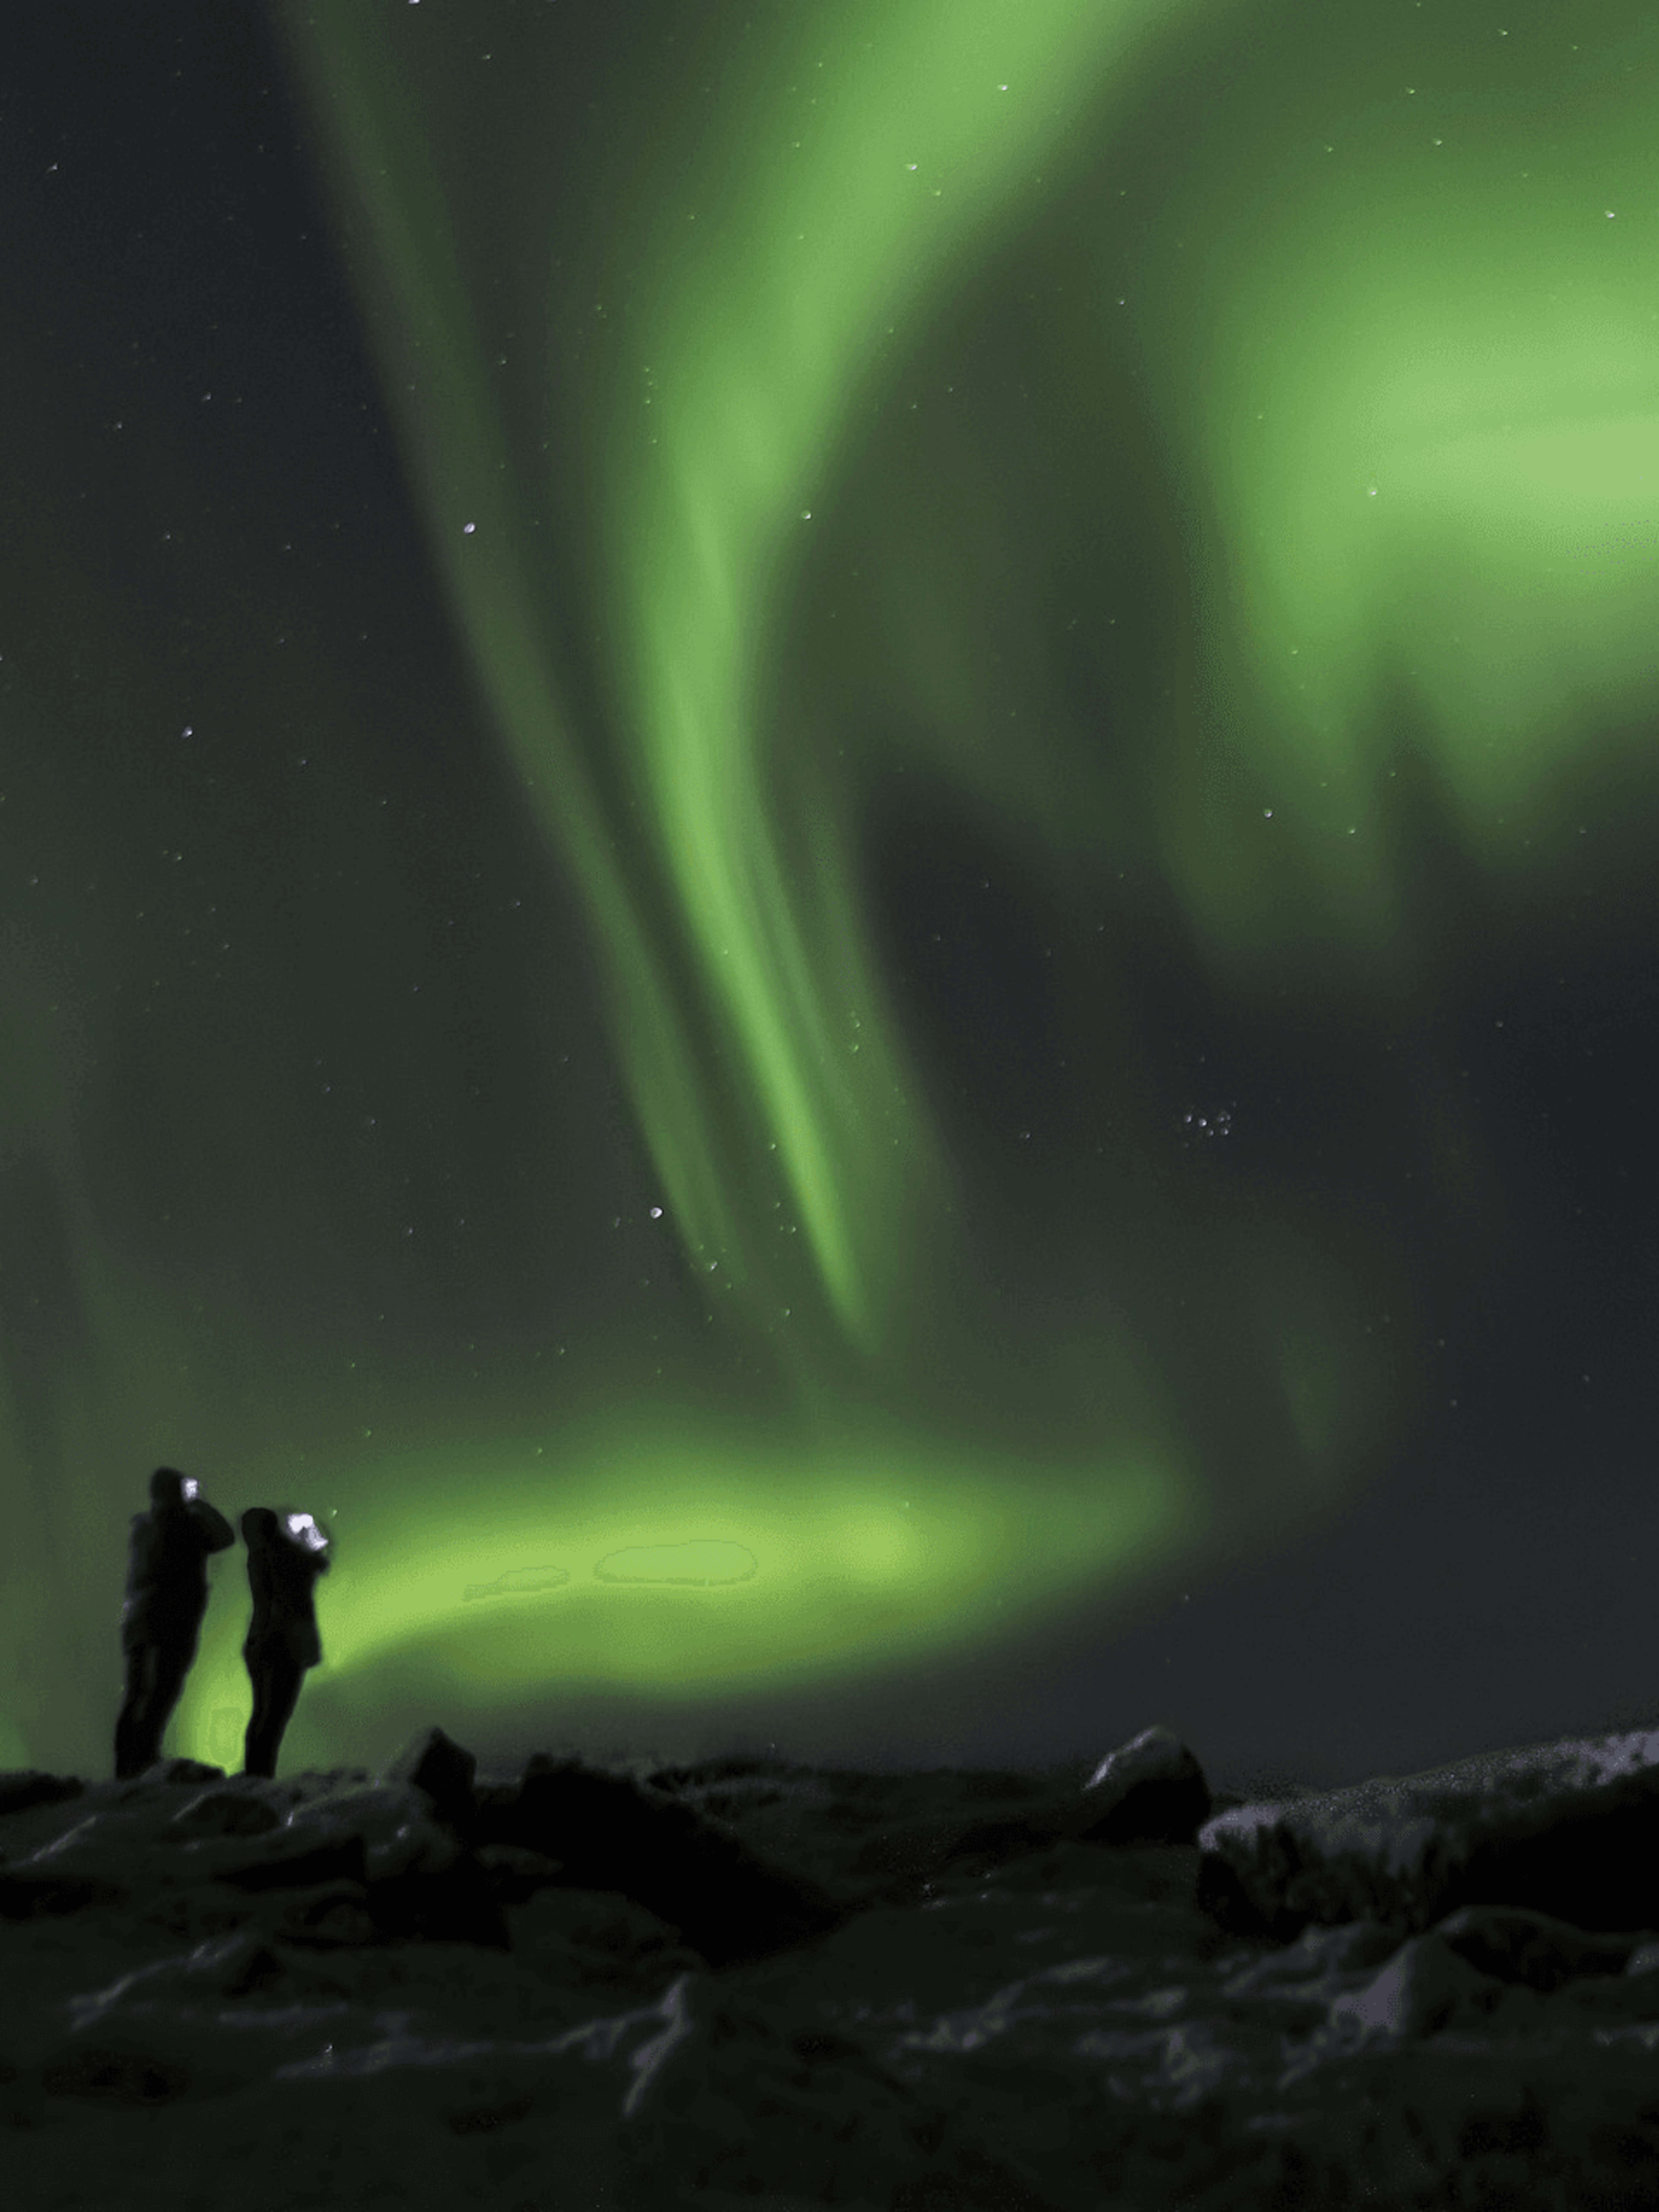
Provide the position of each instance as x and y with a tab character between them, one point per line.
166	1571
281	1573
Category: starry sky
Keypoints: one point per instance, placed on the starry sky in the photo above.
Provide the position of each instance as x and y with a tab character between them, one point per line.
825	866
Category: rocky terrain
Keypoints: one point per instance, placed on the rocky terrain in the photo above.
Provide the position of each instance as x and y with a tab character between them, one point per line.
750	1984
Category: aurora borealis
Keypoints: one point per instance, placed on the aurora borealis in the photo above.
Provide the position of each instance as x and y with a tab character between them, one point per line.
868	788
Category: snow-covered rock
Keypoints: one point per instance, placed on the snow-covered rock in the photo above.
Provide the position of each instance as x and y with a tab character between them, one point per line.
750	1983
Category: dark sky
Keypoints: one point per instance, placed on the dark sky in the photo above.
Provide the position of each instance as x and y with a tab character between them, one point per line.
1223	1293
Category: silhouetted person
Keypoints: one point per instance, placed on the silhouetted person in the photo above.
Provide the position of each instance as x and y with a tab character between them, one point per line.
161	1619
285	1556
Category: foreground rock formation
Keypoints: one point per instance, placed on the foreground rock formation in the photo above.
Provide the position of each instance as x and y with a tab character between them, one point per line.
758	1985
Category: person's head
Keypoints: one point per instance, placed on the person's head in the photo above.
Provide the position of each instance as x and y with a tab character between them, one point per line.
168	1488
259	1526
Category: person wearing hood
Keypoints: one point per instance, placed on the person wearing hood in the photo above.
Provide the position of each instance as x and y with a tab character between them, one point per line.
161	1618
286	1552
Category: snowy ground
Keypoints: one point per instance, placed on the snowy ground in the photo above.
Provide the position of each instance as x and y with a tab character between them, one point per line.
1064	2028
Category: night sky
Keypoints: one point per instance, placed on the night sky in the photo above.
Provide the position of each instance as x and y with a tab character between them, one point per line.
827	865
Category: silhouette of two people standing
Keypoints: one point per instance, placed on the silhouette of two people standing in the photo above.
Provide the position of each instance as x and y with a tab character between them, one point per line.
166	1596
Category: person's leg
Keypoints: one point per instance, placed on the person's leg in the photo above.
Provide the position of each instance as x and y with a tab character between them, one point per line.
275	1693
170	1666
133	1751
284	1696
254	1756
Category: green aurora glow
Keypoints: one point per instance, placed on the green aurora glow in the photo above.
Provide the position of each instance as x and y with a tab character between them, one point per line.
1394	349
